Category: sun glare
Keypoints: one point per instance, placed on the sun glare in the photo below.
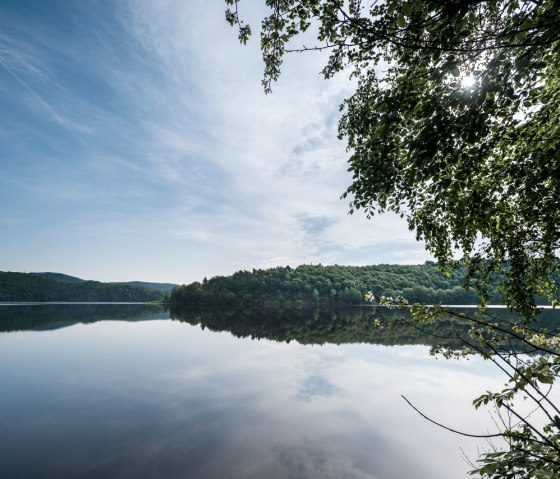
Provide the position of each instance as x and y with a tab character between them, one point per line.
468	81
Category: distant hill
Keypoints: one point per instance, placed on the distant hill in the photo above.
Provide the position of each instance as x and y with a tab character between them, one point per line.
165	287
60	277
41	287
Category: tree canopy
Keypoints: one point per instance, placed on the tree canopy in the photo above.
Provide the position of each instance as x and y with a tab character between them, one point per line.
453	124
317	284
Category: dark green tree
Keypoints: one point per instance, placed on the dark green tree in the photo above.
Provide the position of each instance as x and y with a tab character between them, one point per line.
315	295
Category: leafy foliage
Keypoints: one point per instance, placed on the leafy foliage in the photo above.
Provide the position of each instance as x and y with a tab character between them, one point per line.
454	123
533	438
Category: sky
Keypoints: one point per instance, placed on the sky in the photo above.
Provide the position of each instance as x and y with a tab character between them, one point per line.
136	143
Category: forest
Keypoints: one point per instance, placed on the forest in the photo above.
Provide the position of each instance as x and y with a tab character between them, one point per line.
34	287
318	284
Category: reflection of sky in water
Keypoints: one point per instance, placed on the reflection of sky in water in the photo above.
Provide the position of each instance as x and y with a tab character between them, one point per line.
166	399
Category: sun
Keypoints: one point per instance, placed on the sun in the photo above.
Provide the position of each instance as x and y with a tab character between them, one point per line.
468	81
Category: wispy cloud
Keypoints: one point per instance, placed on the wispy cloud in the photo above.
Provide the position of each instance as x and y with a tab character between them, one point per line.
151	124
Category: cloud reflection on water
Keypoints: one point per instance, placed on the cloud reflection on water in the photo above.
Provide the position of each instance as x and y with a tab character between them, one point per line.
166	399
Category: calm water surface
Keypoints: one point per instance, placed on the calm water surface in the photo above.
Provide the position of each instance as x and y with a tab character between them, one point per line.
126	392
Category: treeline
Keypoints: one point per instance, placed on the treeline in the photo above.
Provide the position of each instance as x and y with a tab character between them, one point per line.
32	287
165	287
317	284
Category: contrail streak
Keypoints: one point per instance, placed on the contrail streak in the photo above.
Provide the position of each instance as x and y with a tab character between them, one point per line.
45	105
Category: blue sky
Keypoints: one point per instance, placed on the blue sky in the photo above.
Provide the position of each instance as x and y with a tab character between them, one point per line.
136	143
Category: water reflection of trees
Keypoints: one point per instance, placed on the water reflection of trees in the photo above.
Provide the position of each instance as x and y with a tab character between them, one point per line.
377	325
55	316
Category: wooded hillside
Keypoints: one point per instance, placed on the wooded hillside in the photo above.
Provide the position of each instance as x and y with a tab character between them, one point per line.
320	284
32	287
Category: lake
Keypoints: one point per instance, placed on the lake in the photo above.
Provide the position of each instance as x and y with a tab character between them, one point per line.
124	391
